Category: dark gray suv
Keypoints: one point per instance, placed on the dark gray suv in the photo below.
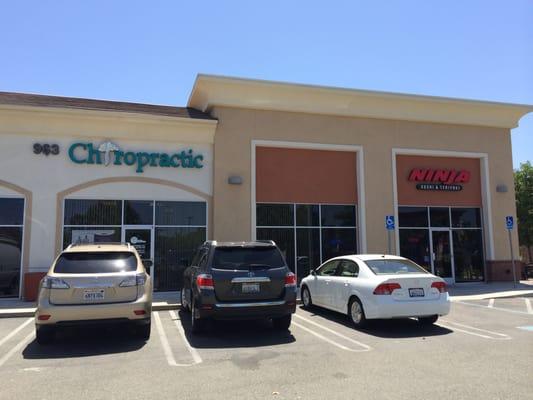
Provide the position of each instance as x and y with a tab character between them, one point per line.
239	280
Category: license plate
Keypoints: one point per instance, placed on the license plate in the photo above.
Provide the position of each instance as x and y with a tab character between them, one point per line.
417	292
250	287
93	295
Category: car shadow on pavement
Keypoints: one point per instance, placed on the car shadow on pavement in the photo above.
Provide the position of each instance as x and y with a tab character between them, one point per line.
230	334
385	328
85	342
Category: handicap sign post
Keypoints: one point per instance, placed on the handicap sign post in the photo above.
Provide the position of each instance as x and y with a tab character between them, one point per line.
389	225
509	224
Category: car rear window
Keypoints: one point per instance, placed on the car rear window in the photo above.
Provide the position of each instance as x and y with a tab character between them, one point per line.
96	263
245	258
398	267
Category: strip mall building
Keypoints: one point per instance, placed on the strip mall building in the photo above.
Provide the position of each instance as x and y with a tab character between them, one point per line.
316	169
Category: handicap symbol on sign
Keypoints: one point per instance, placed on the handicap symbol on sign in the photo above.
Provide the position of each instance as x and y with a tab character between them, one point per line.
389	222
509	222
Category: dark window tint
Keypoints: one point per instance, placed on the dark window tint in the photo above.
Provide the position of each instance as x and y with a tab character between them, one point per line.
284	239
468	255
439	216
11	211
328	269
10	256
138	212
245	258
338	242
93	212
338	215
414	244
307	215
96	234
96	263
466	218
348	269
413	216
308	250
275	215
180	213
398	267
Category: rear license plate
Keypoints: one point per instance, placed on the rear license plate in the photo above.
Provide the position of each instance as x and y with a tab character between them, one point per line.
93	295
417	292
250	288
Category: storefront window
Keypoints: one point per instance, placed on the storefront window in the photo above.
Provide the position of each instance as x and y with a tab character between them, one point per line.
466	218
439	216
93	212
307	215
138	212
180	213
275	215
338	242
414	244
413	216
338	215
11	230
468	254
308	250
284	238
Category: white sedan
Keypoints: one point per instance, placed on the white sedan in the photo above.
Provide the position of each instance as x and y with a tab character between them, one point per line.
370	286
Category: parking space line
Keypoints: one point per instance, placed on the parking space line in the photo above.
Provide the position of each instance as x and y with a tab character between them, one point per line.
491	303
17	347
194	353
166	346
468	330
15	331
528	306
364	346
493	308
318	335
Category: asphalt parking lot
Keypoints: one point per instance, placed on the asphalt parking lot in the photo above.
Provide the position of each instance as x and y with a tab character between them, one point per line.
482	350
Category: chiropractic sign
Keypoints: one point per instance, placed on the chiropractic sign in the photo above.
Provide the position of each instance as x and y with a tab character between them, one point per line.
449	180
108	153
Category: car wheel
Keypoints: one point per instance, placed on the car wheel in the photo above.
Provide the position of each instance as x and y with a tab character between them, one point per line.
282	323
306	298
184	305
143	331
428	320
44	335
197	324
356	313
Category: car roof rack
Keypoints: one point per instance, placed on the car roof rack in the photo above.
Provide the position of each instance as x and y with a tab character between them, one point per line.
266	241
70	246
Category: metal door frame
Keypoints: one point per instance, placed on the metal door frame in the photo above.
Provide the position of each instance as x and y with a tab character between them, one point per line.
451	279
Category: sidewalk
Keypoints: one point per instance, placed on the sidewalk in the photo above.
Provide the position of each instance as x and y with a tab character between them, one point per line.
10	308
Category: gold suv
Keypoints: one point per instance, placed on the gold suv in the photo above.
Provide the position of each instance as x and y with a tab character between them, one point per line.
91	284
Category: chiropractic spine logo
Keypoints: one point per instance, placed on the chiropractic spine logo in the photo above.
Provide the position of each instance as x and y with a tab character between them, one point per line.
109	153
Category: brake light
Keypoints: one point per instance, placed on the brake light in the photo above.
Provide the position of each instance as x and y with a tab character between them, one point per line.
139	312
54	283
205	281
133	280
44	317
440	286
386	288
290	280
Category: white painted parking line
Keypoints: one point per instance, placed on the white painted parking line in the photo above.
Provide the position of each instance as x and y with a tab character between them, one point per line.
17	347
15	331
493	308
194	353
348	339
526	328
318	335
491	303
472	330
166	346
528	306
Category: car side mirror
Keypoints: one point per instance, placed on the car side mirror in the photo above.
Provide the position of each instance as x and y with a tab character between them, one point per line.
148	263
313	272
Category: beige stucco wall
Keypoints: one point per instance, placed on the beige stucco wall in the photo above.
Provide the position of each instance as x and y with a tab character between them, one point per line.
238	127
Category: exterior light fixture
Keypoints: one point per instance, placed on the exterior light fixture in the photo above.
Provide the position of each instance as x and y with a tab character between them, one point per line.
235	180
501	188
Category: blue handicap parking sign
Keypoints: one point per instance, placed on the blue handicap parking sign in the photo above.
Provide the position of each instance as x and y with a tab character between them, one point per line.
389	222
509	222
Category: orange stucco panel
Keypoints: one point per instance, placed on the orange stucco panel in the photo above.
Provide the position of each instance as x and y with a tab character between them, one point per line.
305	176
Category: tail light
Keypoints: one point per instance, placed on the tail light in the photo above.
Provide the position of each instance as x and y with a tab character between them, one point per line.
440	286
139	312
134	280
44	317
290	280
54	283
205	281
386	288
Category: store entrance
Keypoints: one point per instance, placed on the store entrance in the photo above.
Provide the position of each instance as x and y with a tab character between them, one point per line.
142	238
442	254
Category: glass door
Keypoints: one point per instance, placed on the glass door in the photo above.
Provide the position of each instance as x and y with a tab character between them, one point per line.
142	239
441	254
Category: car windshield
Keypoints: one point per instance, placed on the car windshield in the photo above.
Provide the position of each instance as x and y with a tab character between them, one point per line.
246	258
398	267
96	263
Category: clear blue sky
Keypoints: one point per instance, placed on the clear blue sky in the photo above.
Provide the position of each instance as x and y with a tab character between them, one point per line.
151	51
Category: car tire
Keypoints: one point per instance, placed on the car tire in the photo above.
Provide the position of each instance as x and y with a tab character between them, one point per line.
143	331
307	302
184	307
282	323
44	335
356	313
197	324
428	320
